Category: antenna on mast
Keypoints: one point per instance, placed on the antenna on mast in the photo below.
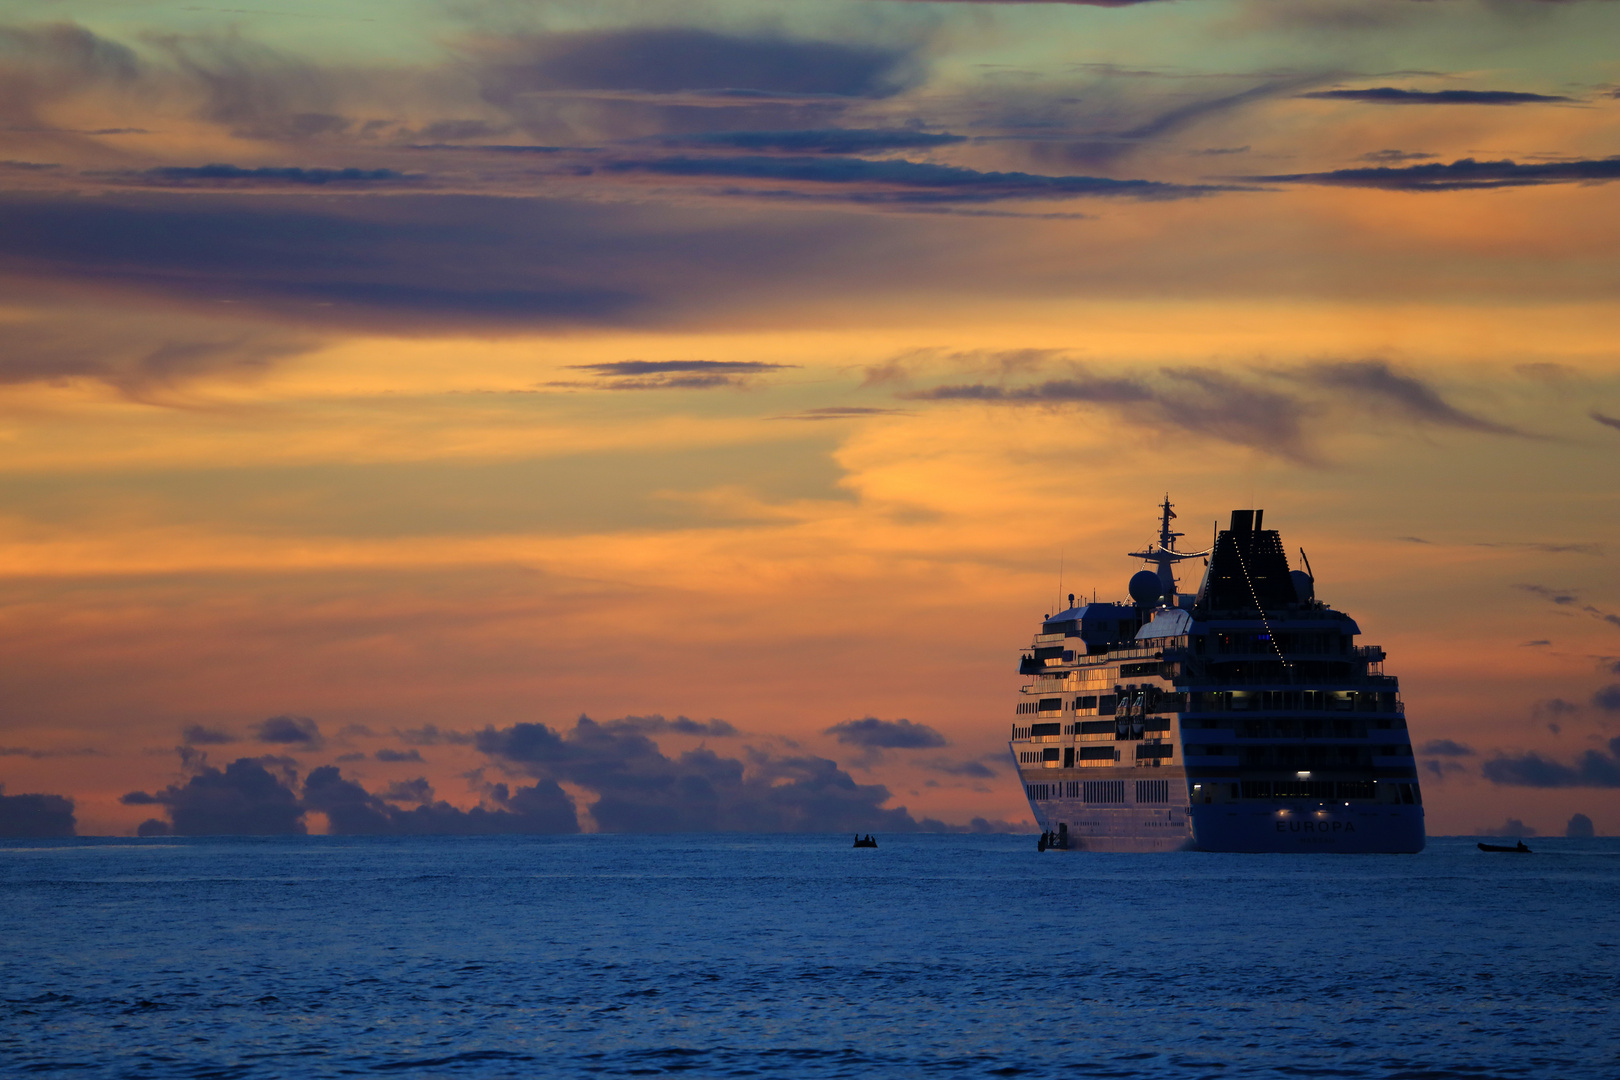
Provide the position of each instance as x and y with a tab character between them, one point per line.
1164	553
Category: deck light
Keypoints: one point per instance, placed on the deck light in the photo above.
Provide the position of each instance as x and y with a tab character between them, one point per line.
1303	775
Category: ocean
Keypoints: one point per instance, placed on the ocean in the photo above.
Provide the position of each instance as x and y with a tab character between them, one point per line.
798	956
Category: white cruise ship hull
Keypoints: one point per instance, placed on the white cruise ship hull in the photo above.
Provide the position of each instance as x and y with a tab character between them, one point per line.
1144	829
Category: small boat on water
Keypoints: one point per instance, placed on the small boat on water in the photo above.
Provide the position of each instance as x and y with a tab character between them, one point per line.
1518	849
865	841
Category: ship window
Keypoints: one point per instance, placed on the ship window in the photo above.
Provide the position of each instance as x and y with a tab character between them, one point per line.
1102	791
1153	791
1105	705
1088	702
1038	730
1050	754
1302	789
1174	702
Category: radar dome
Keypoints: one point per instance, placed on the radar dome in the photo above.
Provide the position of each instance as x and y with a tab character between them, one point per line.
1145	587
1304	585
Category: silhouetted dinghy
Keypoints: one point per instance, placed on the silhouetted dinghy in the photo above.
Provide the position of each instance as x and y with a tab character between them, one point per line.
866	841
1517	849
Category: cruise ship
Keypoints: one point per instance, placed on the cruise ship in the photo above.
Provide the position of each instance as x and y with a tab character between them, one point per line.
1243	717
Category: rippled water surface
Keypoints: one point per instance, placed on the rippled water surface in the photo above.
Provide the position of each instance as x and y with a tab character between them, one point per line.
799	956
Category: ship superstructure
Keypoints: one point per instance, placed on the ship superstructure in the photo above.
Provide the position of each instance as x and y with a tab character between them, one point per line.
1242	717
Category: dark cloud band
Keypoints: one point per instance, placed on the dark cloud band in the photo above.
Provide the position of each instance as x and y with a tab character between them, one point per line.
1464	175
1268	411
816	140
874	734
203	175
670	60
907	181
1389	95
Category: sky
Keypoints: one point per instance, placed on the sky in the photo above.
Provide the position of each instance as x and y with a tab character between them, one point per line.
506	416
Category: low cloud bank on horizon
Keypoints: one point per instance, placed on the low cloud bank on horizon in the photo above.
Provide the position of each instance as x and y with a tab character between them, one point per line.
638	788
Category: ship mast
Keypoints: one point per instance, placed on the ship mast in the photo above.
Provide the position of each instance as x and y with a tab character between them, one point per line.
1164	554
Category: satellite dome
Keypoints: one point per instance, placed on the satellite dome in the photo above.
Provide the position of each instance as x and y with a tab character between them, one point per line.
1145	587
1304	585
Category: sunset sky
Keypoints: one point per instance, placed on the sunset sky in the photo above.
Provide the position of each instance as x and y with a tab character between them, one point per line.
385	386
